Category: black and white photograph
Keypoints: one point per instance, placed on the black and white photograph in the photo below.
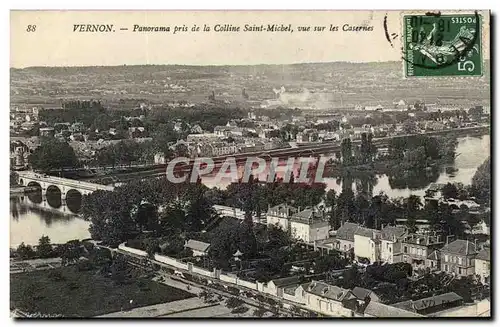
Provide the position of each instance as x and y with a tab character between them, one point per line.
248	164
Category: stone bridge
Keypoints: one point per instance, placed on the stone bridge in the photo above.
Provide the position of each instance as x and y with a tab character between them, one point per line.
64	186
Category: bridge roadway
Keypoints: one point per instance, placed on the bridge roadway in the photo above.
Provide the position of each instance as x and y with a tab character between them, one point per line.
64	185
307	150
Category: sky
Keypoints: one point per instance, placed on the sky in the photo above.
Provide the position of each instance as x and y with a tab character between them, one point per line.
54	42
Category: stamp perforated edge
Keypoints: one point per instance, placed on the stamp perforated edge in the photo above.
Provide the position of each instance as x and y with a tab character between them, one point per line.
484	36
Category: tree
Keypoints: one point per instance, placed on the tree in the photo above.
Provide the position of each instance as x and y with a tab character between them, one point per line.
44	249
330	199
346	150
152	247
413	204
146	216
259	312
234	302
329	262
119	270
345	204
449	191
410	127
14	178
172	218
25	251
481	182
53	154
476	113
70	252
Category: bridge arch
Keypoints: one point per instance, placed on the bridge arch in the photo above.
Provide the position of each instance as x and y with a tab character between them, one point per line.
54	196
34	184
21	181
36	196
74	200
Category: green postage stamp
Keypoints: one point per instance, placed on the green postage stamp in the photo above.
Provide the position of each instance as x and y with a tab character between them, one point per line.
442	45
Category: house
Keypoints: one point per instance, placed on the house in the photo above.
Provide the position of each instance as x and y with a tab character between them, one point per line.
329	300
362	294
199	248
307	135
216	149
482	265
47	132
77	128
432	304
458	257
205	137
159	158
380	310
279	215
433	261
196	129
417	247
294	293
345	237
277	286
367	243
309	226
390	246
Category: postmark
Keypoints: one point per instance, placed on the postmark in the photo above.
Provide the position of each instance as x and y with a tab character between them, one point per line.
436	45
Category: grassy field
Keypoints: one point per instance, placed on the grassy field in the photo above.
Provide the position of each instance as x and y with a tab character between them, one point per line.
84	293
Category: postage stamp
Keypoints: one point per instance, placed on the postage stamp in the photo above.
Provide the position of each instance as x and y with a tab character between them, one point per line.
437	45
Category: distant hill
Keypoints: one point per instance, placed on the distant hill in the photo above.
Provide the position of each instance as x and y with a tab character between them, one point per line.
321	85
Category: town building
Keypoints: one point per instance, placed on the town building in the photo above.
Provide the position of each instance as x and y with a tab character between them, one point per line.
458	257
329	300
47	132
363	293
277	286
279	215
391	246
431	305
379	310
344	237
482	265
309	226
433	261
416	248
199	248
367	243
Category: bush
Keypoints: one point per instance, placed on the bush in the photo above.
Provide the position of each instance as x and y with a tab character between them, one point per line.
233	290
56	275
85	265
73	285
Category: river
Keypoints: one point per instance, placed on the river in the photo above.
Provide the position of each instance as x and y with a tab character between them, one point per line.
30	219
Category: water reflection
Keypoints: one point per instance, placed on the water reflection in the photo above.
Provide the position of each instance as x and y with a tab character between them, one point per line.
32	217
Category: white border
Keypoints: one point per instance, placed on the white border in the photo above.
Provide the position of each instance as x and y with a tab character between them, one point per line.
188	4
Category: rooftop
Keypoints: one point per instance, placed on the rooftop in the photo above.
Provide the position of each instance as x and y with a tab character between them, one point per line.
380	310
367	232
287	281
346	232
461	247
283	209
390	233
197	245
361	293
307	215
484	254
434	255
429	302
326	291
420	239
